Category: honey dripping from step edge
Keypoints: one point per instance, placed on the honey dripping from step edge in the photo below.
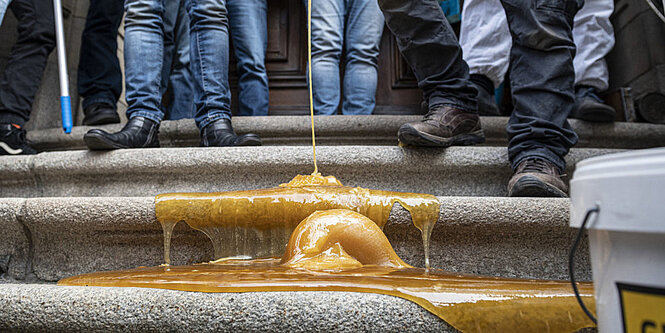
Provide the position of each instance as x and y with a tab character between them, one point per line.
338	246
344	250
258	223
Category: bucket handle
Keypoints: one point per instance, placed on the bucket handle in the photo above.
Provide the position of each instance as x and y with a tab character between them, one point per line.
571	261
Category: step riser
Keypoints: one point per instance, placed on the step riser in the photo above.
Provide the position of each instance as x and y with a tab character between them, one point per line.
357	130
456	171
526	238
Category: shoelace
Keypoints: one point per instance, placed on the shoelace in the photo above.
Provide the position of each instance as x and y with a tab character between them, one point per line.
535	165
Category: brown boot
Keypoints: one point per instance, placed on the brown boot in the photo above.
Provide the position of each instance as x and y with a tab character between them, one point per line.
536	177
443	127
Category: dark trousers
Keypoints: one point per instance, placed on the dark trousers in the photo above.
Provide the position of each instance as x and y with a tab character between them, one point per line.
23	74
99	75
430	46
541	79
541	70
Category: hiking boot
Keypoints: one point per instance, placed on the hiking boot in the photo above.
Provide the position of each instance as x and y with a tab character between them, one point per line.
220	134
443	126
485	98
100	114
139	132
588	106
13	141
536	177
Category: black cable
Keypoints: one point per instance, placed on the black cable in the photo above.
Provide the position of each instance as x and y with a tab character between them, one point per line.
571	262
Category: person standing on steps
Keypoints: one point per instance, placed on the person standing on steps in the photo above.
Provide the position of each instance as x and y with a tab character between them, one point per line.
542	77
22	75
486	41
99	75
349	30
144	45
249	31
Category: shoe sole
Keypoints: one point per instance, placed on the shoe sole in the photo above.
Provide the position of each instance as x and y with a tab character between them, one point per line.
410	136
529	186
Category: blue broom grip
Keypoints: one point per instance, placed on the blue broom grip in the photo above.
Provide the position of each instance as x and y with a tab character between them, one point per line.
66	108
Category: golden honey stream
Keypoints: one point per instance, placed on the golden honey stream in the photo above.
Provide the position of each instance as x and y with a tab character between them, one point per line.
332	241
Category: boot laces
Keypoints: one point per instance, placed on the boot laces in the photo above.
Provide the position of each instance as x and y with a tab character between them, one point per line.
535	165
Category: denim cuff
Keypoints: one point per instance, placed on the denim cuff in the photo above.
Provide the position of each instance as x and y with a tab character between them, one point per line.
542	153
212	117
152	115
105	98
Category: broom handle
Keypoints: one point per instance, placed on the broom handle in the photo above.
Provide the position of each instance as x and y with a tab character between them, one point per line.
65	100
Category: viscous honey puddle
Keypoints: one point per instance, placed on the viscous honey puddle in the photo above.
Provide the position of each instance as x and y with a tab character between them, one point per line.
342	250
259	223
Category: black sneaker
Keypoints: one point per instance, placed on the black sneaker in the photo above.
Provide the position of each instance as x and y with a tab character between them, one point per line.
13	142
100	114
588	106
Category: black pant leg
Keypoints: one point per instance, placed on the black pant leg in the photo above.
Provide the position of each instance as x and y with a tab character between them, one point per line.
99	75
23	74
542	78
430	46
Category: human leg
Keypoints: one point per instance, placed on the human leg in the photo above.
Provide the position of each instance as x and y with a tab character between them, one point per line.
249	30
181	79
422	30
327	41
209	43
99	76
22	75
542	79
144	54
176	73
364	26
486	42
594	37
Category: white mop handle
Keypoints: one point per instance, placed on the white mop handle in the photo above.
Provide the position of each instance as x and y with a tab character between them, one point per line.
65	100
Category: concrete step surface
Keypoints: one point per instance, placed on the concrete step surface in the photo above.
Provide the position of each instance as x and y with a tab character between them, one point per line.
41	308
46	239
456	171
356	130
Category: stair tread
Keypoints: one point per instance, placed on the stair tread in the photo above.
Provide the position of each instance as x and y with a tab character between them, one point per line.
354	130
142	309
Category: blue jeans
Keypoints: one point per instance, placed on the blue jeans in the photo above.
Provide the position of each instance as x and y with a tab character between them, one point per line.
175	71
357	26
144	56
249	31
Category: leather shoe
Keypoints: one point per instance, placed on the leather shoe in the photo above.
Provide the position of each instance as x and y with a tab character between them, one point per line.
220	134
443	126
100	114
536	177
139	132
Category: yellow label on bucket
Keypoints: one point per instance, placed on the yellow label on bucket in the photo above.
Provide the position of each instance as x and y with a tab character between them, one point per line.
643	309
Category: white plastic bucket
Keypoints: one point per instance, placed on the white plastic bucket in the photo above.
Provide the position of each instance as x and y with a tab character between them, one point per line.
626	237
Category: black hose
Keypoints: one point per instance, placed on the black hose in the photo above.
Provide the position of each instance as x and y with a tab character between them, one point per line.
571	262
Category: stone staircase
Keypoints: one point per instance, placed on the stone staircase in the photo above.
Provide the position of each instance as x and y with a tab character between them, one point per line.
69	211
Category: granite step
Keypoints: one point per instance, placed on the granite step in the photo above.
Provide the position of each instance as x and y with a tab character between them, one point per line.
50	308
46	239
357	130
456	171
